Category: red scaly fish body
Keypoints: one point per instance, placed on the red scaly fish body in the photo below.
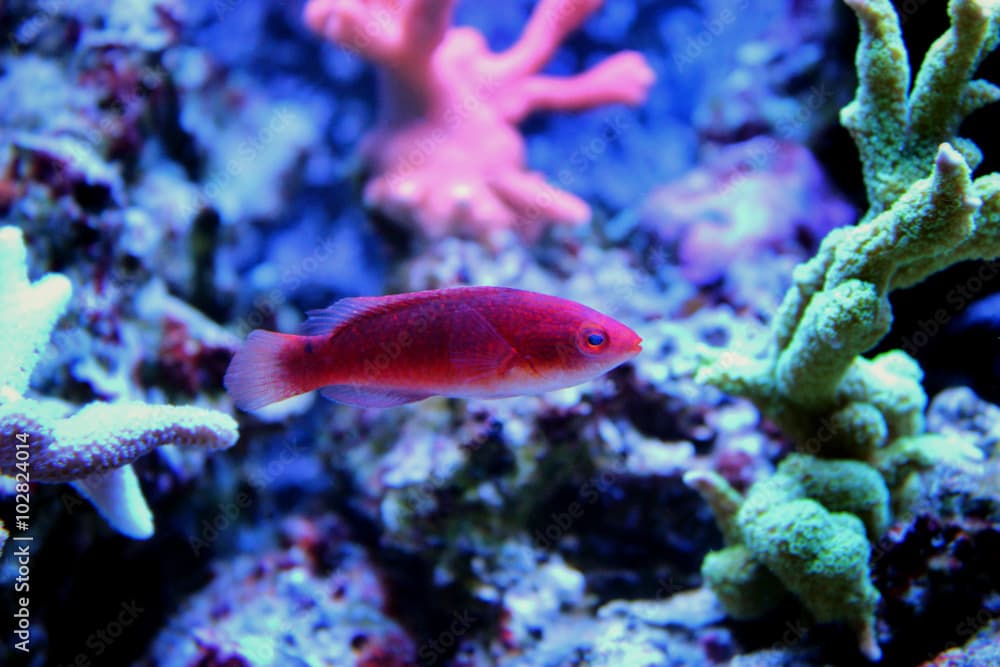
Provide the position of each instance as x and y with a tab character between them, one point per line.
463	342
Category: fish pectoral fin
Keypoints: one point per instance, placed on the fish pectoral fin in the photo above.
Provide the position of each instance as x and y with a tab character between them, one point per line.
370	397
489	354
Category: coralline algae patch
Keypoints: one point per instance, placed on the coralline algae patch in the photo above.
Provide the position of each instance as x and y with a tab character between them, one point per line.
289	607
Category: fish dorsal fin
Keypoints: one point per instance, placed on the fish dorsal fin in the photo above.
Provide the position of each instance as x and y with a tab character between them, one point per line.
325	321
367	397
477	349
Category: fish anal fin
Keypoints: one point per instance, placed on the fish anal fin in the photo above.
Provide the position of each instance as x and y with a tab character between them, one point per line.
479	349
369	397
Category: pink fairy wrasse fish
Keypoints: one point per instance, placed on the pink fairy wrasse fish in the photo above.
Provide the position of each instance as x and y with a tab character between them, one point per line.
462	342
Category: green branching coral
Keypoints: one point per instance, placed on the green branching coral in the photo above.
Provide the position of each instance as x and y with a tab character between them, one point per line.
926	213
805	530
41	440
897	130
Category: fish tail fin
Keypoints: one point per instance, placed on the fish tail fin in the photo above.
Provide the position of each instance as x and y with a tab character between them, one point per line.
258	375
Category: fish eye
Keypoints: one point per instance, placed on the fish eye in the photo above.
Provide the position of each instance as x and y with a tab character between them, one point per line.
593	339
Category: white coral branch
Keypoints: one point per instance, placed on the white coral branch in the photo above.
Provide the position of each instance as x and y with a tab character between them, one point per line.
104	436
94	448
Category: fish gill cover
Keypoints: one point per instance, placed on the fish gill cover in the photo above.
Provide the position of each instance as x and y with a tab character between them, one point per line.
769	482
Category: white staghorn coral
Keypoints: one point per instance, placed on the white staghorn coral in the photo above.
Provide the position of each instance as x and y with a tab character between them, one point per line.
94	448
104	436
28	311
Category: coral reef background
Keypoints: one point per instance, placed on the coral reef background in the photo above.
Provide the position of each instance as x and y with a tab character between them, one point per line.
176	174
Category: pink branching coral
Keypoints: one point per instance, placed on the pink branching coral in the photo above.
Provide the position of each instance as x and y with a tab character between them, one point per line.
446	155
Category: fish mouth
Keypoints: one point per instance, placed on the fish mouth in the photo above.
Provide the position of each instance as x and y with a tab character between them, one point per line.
637	348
